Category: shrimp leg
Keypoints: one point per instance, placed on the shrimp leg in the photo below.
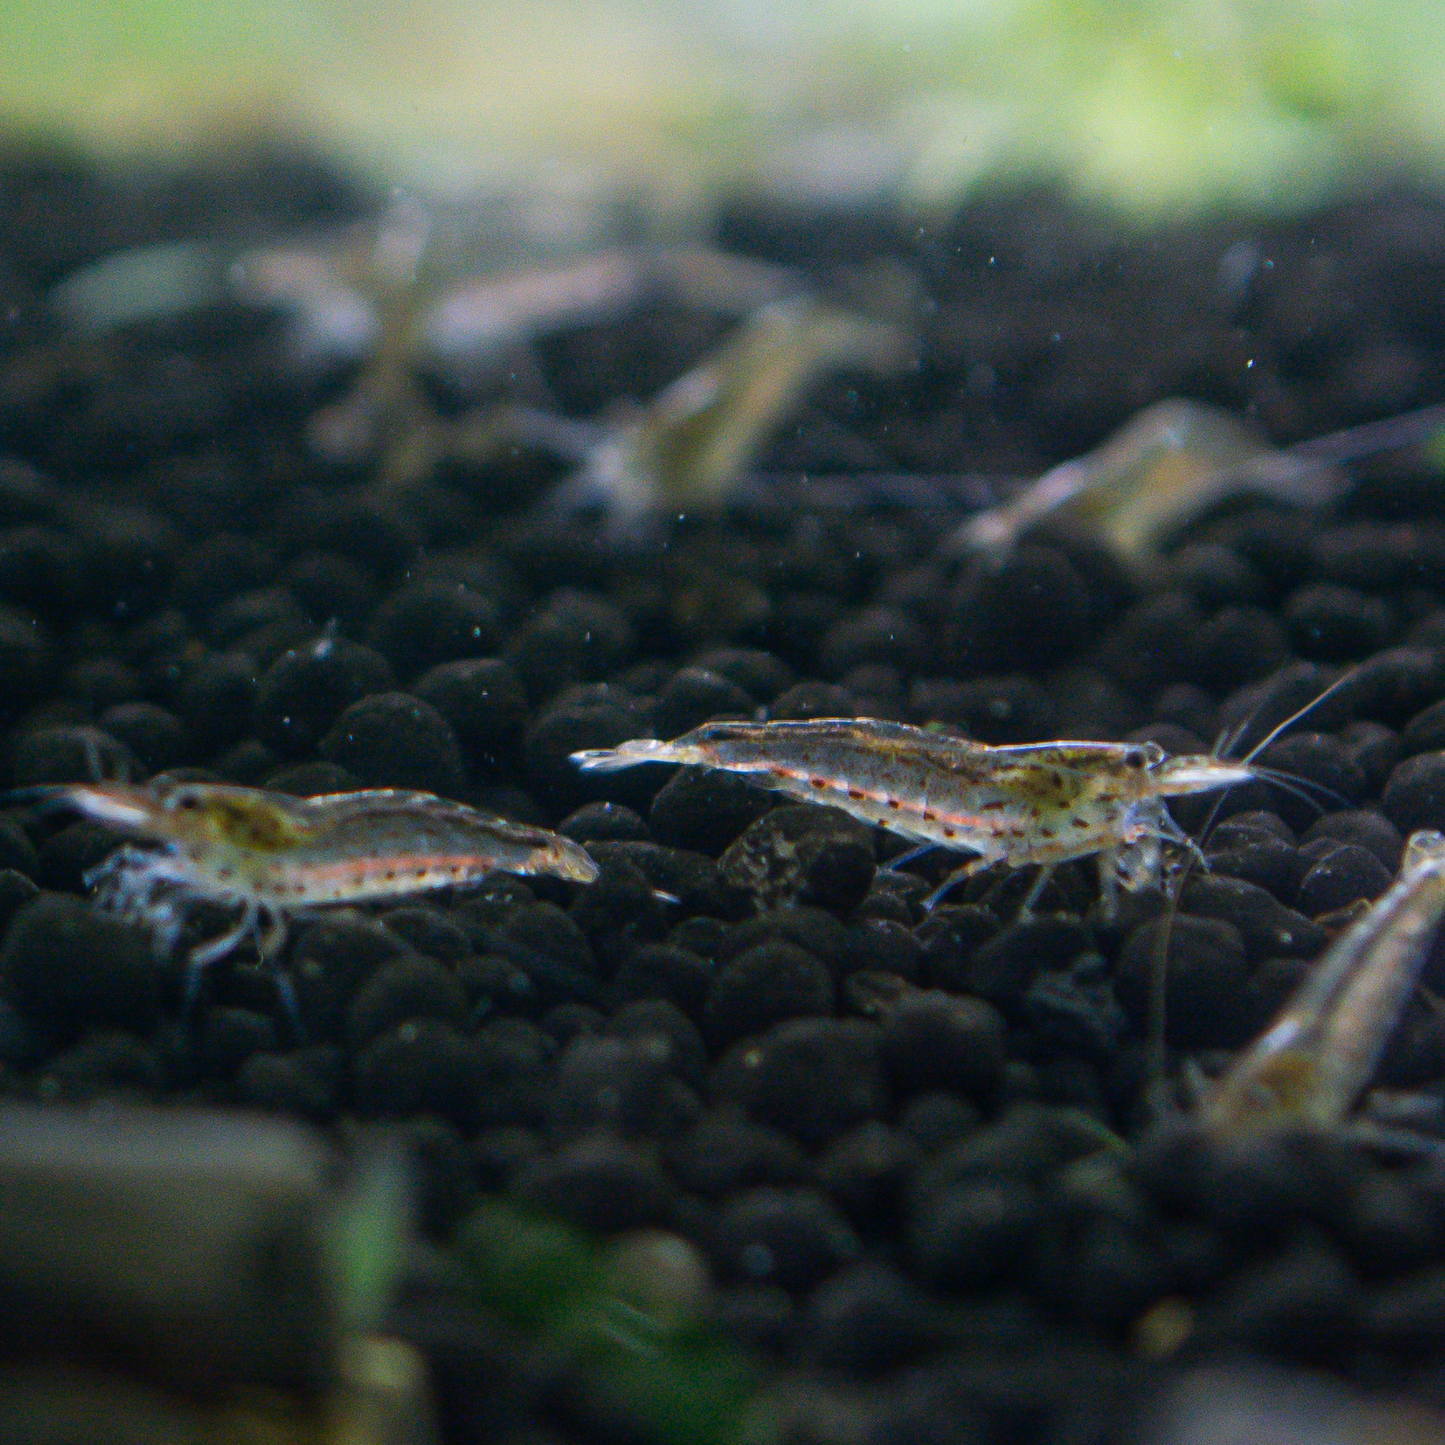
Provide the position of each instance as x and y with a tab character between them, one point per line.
205	954
974	865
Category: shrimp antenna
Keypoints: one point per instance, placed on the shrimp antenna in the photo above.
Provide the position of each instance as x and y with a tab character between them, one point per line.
1294	717
1159	963
1305	789
1225	742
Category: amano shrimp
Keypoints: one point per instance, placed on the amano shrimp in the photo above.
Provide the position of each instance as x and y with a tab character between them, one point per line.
1034	803
1172	462
274	856
1312	1063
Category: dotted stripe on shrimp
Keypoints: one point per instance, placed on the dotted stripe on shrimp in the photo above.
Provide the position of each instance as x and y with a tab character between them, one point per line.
950	825
359	878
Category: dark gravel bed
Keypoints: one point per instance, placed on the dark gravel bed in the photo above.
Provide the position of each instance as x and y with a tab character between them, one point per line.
906	1165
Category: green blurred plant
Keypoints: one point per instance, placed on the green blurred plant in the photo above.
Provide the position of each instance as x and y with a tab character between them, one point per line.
1153	106
648	1358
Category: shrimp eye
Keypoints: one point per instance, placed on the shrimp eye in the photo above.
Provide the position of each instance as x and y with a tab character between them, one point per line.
188	800
1135	758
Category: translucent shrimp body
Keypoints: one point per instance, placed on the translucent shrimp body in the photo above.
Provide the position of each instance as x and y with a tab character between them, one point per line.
1172	462
274	855
1037	803
1166	465
1315	1059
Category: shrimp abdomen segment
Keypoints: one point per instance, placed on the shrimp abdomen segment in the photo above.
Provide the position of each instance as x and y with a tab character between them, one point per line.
298	883
383	843
884	773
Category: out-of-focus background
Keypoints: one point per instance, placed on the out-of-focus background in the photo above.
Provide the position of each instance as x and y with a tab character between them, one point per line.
1158	107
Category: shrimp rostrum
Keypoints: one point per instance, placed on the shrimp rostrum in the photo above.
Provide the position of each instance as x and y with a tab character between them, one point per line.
1036	803
273	856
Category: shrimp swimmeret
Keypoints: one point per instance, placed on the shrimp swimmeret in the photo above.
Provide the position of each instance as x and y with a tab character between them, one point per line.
273	855
1036	803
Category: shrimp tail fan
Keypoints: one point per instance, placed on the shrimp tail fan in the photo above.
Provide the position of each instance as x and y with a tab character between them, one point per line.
624	755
